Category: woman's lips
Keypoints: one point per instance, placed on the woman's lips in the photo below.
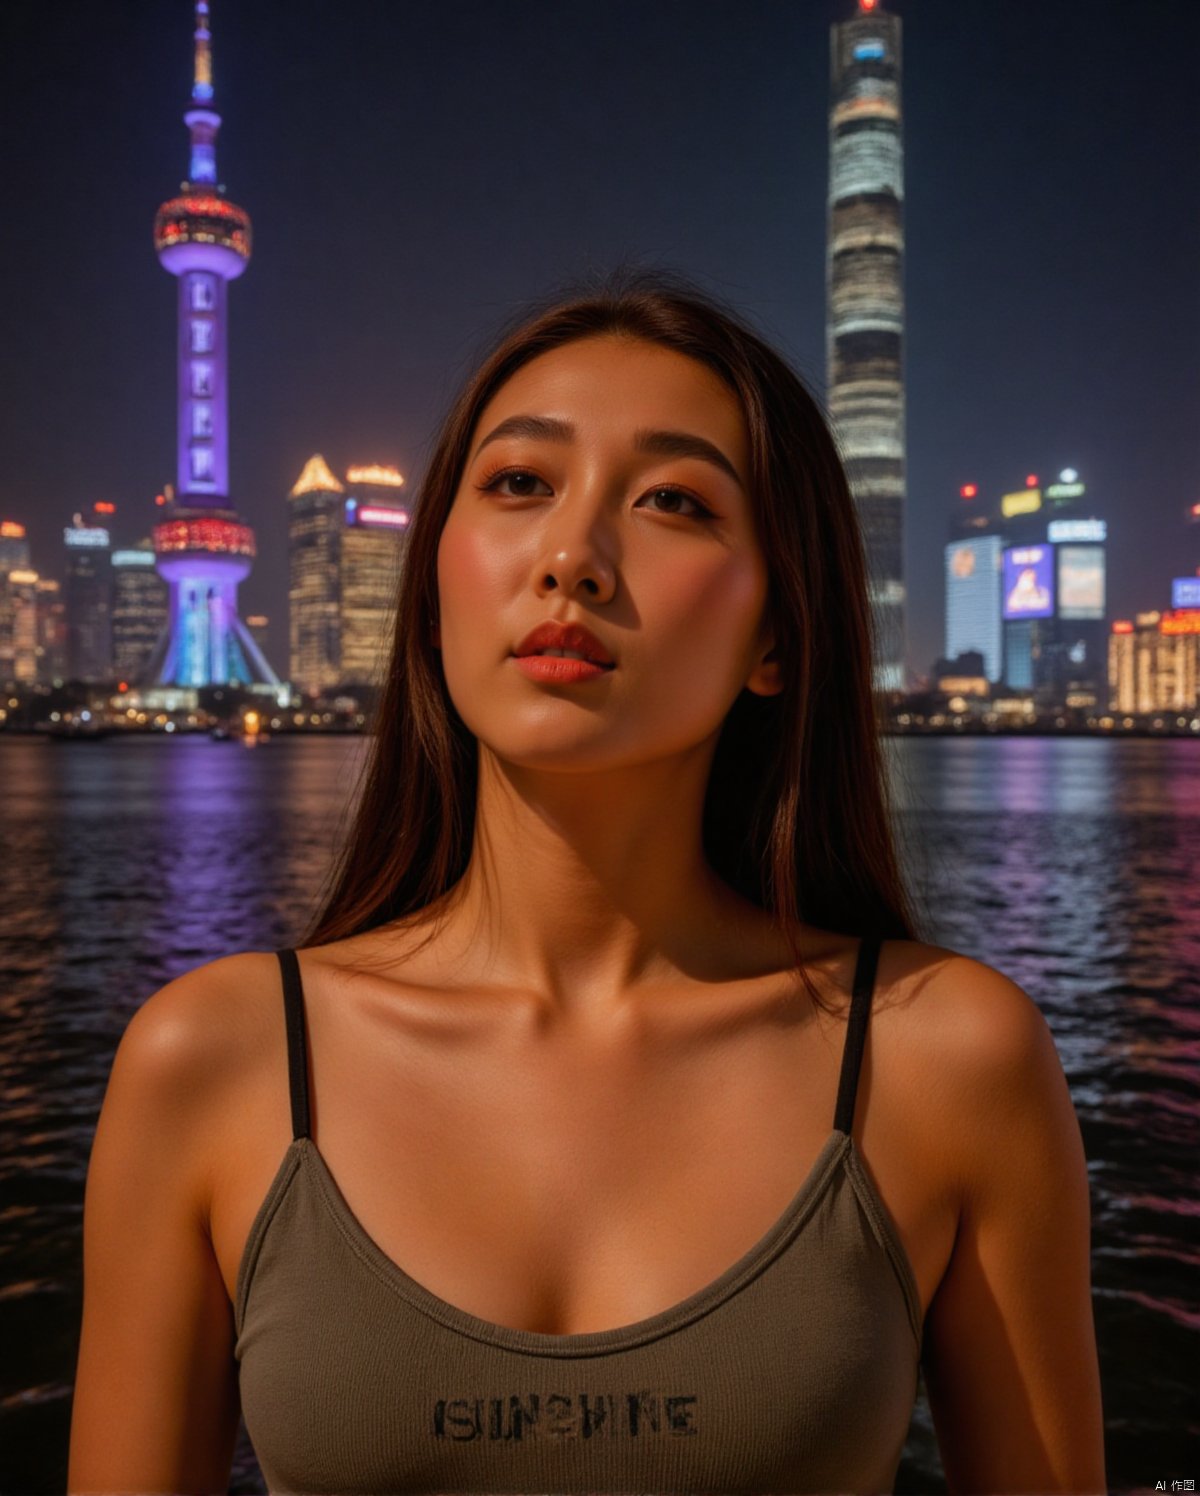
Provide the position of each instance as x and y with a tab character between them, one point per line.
557	670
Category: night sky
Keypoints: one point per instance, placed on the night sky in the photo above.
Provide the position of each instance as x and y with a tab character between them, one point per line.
414	172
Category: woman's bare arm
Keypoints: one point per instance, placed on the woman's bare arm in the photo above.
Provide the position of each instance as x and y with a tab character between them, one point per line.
156	1401
1010	1348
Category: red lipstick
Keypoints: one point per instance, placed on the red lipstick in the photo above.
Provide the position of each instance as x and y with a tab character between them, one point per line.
532	660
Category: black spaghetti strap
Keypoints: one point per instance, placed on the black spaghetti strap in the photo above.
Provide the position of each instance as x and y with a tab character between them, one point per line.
293	1009
856	1030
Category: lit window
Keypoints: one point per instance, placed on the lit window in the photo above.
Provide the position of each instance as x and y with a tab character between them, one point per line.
203	293
202	424
204	163
202	463
202	377
202	335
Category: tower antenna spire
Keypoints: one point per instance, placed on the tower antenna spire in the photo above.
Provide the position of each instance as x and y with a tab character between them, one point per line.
202	88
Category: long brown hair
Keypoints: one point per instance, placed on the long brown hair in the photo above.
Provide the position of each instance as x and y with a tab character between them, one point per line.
796	814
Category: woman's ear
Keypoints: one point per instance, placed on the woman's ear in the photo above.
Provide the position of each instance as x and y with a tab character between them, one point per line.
766	679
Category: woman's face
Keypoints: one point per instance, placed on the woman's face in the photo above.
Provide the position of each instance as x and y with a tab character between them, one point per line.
606	484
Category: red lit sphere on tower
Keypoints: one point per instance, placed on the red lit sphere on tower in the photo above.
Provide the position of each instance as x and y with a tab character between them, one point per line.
202	228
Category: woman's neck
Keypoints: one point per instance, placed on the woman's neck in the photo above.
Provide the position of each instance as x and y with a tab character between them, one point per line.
582	887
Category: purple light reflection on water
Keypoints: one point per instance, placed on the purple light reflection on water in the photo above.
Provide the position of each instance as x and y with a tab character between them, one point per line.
1066	863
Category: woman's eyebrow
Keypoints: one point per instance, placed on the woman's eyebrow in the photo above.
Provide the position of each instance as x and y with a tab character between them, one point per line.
543	428
662	443
684	444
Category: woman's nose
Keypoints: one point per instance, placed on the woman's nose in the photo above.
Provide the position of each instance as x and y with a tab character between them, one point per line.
576	553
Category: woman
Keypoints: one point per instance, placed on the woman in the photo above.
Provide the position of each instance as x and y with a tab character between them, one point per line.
590	986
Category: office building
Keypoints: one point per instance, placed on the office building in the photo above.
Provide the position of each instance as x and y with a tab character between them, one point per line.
1154	662
377	516
18	626
141	611
87	593
1055	592
973	601
51	632
14	547
316	518
346	546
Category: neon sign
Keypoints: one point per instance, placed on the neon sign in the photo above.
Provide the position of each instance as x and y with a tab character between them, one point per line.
386	477
85	537
1077	529
373	514
1187	621
1024	501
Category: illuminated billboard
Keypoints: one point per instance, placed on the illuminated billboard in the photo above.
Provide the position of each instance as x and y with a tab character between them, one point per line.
1028	582
378	515
85	537
1081	581
973	583
372	514
1077	529
1185	592
1024	501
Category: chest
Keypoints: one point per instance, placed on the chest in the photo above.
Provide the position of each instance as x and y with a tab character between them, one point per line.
569	1192
795	1373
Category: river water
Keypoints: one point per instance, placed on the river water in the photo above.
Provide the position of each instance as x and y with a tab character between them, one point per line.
1071	864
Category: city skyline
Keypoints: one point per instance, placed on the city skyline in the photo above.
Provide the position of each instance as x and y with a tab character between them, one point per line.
1045	241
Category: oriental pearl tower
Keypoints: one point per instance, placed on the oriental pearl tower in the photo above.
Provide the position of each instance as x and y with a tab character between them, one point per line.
203	549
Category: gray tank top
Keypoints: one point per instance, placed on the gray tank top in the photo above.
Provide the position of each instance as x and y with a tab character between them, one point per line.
794	1371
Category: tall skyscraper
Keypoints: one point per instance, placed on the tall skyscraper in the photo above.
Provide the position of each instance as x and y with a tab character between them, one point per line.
51	631
88	598
203	548
140	610
316	506
18	626
865	306
346	547
374	544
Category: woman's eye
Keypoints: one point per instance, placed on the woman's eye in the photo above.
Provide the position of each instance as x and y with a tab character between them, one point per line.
674	497
520	483
517	477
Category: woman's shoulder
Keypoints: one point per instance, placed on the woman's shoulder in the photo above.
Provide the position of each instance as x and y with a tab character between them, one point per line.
196	1035
984	1053
183	1068
975	1017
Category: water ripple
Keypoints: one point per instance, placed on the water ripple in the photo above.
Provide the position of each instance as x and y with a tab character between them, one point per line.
1068	864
